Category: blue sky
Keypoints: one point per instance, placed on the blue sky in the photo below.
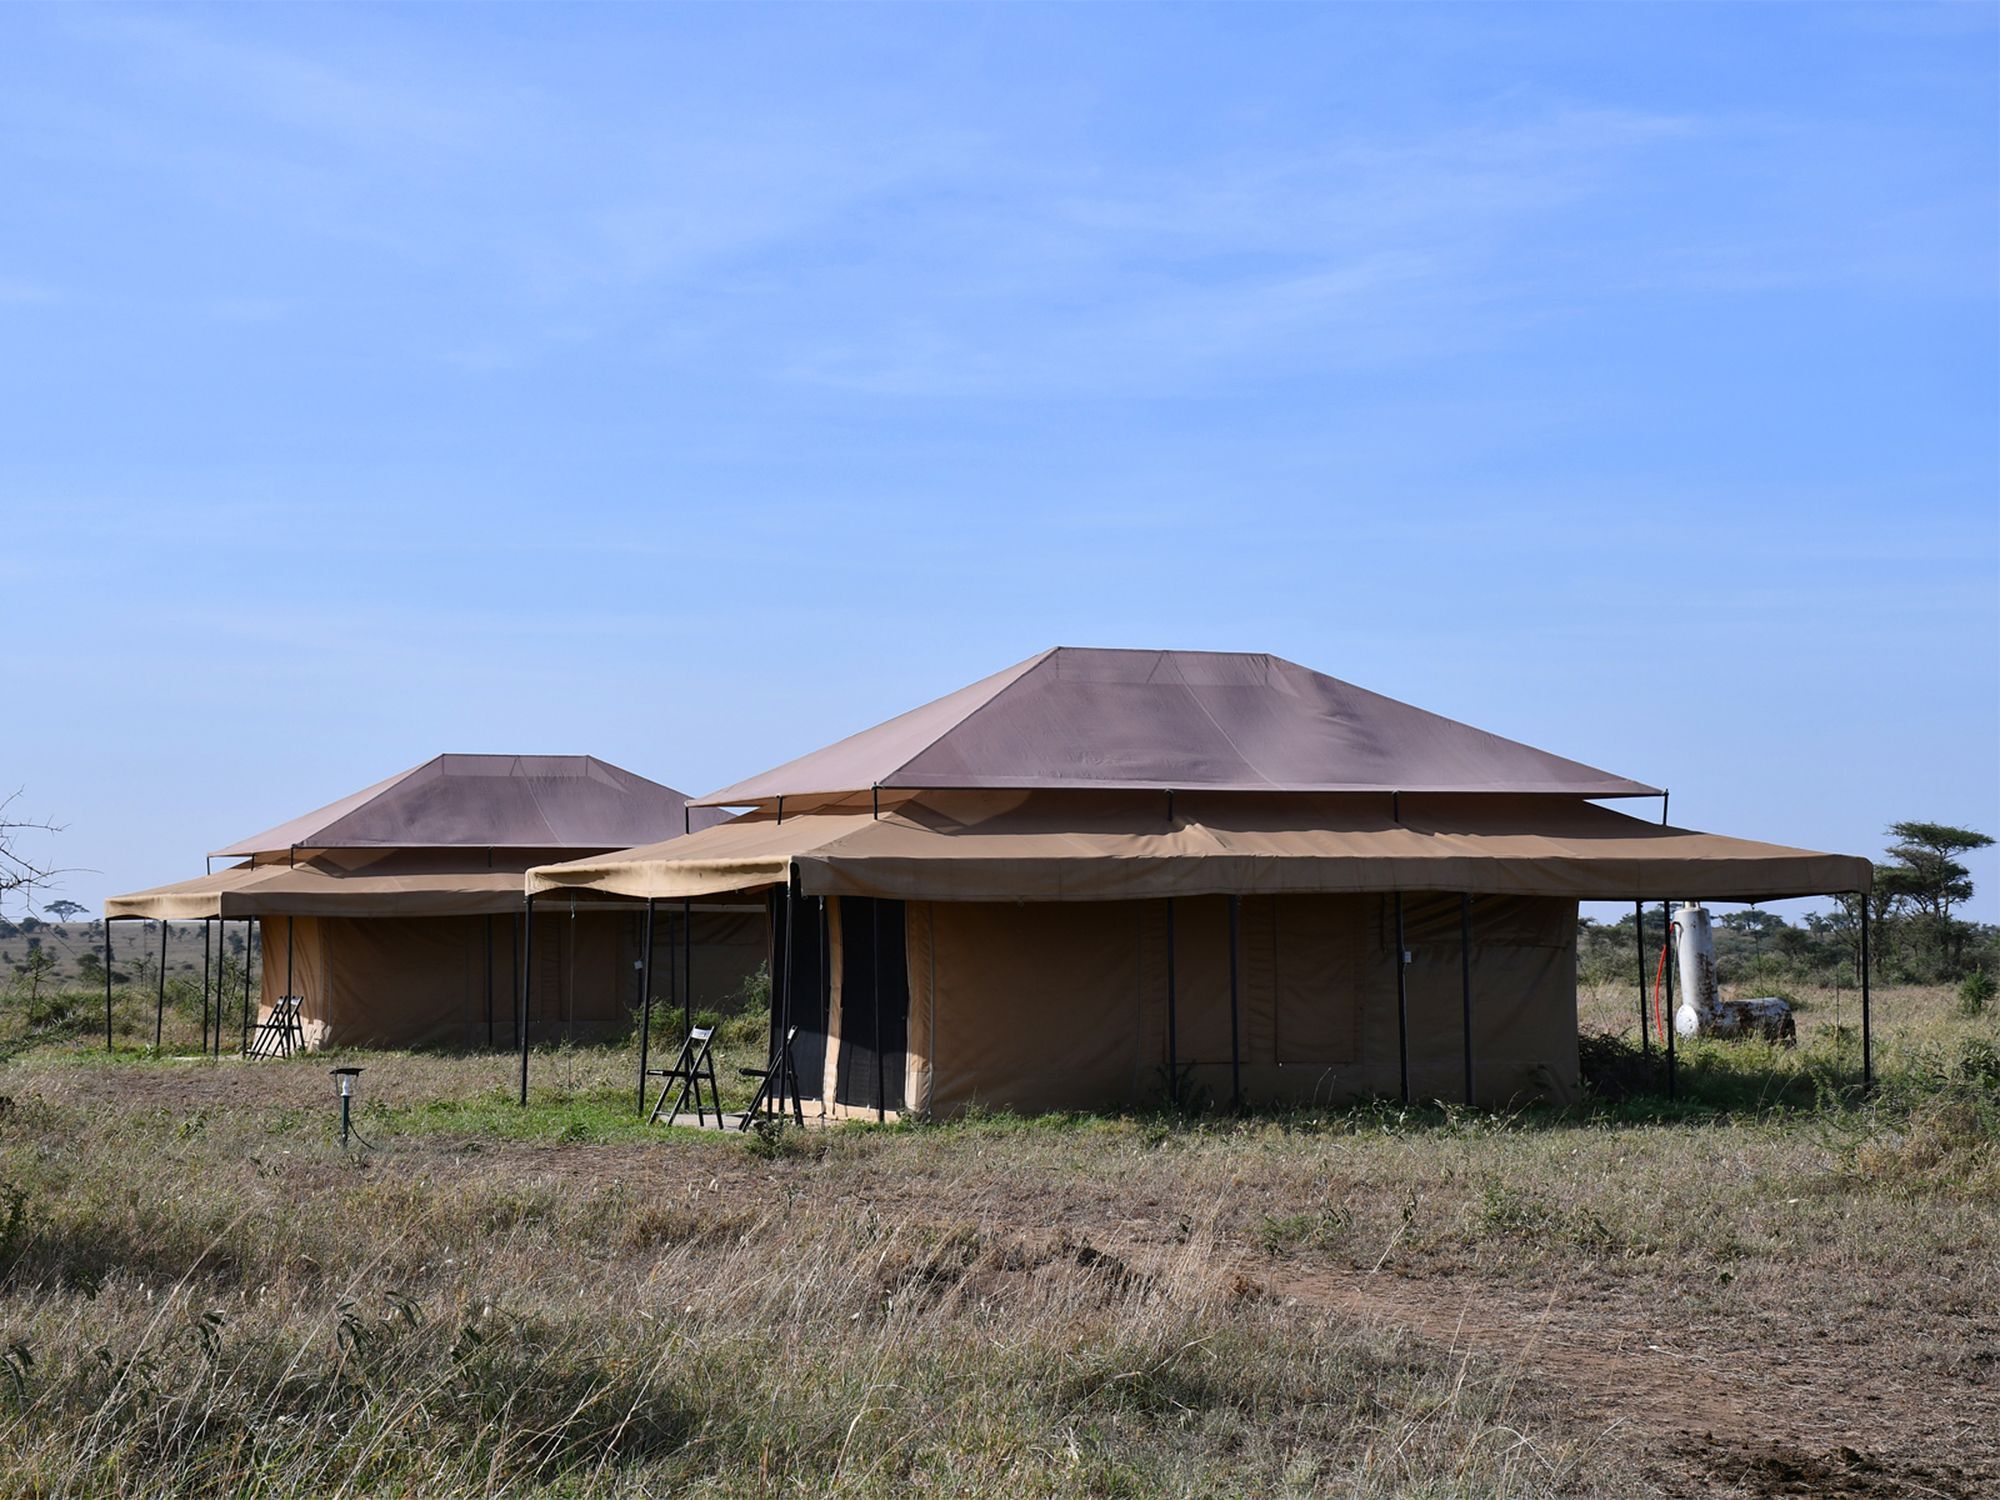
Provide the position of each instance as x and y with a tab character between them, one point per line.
694	386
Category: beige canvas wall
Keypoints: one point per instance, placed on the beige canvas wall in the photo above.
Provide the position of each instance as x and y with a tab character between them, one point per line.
1037	1006
422	981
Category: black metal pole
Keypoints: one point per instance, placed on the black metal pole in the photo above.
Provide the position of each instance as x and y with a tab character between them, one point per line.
687	966
107	982
489	975
1667	961
249	955
1402	1002
249	950
646	1003
1639	937
207	928
1465	983
1867	1052
1173	1020
160	999
1235	1027
527	971
825	988
780	1056
875	973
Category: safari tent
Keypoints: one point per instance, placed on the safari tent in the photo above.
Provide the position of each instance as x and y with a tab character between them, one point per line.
395	914
1112	877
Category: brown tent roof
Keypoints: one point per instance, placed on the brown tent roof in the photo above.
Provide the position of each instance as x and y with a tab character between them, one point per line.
489	802
1076	717
1028	846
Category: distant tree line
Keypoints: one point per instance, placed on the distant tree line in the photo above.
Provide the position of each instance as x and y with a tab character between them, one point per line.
1915	934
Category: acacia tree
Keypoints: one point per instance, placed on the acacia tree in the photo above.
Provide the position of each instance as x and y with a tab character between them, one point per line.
65	910
1924	870
37	965
18	873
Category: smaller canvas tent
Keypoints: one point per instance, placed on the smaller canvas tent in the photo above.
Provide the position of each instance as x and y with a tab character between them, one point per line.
1102	877
395	914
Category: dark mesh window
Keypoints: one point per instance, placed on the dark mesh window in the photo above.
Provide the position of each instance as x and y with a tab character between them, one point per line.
808	995
875	1003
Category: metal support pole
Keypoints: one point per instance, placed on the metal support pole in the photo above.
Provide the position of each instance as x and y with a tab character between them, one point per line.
1667	938
1402	1002
1639	937
780	1055
1173	1020
207	931
687	966
875	973
249	950
160	999
527	972
1235	1028
646	1003
107	983
489	975
289	931
826	990
1867	1050
1465	982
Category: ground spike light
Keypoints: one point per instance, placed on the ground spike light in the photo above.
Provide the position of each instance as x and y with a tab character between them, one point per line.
345	1077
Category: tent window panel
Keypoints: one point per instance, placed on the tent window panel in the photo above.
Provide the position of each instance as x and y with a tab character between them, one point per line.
1201	978
1035	1005
1320	942
865	1051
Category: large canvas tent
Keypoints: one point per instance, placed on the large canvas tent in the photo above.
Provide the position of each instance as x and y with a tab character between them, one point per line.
395	914
1102	877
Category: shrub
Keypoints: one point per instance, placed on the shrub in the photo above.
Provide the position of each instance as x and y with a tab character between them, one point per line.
1974	991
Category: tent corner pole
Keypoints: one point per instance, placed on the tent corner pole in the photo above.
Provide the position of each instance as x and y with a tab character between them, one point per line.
781	1056
687	966
207	940
1402	1004
527	971
1867	1049
1667	960
875	978
249	953
160	996
107	981
646	1003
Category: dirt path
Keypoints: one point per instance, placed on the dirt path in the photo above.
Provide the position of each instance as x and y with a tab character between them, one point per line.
1753	1418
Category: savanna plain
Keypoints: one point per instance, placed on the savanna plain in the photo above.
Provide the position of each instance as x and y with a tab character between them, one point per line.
1767	1285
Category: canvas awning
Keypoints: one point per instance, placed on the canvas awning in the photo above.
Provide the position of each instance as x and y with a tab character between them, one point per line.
334	883
1028	846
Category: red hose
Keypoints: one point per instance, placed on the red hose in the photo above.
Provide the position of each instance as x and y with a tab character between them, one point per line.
1659	978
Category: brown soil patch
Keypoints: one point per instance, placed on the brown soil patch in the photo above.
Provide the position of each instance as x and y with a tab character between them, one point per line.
1757	1419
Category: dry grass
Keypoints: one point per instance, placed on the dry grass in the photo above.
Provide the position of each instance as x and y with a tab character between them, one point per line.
204	1294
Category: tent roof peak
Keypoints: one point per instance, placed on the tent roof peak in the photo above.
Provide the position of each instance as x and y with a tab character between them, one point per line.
1103	718
459	800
